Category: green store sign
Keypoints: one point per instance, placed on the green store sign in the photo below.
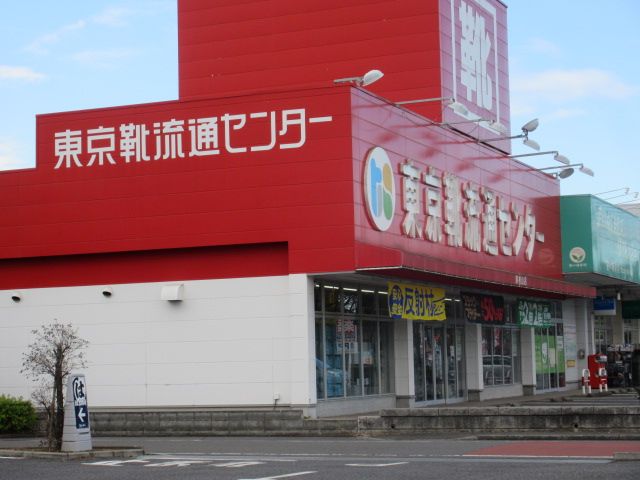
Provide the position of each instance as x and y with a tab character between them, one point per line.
598	237
534	314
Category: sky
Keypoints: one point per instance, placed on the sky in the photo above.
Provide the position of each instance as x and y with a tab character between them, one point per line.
573	65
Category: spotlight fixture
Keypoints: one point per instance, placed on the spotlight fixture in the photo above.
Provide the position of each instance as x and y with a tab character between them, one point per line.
531	125
527	128
498	127
556	156
367	79
107	292
459	108
567	170
565	173
586	170
16	296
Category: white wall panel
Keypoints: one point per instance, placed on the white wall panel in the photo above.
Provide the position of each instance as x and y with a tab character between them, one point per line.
114	375
229	342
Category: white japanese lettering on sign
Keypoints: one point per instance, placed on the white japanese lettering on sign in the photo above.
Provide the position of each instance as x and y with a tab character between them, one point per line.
462	214
179	138
475	46
410	200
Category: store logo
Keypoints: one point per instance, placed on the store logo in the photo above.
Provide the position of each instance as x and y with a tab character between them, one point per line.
577	255
475	59
379	188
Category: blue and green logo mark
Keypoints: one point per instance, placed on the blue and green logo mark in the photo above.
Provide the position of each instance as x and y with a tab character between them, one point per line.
379	188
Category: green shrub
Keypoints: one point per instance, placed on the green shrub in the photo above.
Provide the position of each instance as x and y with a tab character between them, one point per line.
16	415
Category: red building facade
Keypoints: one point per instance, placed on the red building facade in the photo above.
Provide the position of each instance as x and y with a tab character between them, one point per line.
265	168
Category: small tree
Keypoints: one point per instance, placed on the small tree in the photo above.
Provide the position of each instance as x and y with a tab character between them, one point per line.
56	351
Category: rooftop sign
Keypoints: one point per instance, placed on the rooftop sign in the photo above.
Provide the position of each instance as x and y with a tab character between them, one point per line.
131	142
598	237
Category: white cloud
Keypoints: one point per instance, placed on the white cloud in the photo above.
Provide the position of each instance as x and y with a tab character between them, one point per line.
109	58
41	44
562	113
8	72
573	84
112	17
519	106
544	46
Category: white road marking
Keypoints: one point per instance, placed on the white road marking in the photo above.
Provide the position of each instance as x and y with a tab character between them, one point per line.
237	464
113	463
280	476
375	464
12	458
176	463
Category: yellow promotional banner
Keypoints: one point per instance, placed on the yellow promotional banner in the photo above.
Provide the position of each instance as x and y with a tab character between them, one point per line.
415	302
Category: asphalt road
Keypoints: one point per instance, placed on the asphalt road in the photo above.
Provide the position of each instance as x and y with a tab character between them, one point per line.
340	458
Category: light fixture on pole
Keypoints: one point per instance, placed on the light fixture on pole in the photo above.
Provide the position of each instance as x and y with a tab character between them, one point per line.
451	102
367	79
626	191
633	200
473	120
556	156
498	127
492	124
566	170
527	128
634	195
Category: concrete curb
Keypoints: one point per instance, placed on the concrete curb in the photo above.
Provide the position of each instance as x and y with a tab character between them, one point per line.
626	456
64	456
558	436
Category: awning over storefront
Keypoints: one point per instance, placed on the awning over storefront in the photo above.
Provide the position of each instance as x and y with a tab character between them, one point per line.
435	270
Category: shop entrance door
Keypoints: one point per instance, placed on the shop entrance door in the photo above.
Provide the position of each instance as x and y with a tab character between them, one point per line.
550	369
438	359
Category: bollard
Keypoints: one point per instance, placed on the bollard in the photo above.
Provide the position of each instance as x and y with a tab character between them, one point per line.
602	373
586	384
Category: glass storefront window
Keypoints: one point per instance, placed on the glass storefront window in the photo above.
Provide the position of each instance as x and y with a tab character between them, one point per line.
438	361
383	304
369	306
460	361
419	362
317	297
630	331
353	343
320	366
331	298
333	359
370	356
350	299
452	379
438	357
603	334
550	362
351	340
385	330
500	356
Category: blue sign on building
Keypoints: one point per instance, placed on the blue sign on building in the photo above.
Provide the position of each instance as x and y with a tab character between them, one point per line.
604	306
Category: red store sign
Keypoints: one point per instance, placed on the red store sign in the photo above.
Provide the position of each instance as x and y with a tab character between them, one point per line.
486	309
441	208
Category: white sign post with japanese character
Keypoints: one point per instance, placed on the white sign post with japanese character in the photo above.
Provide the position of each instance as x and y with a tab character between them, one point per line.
76	434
